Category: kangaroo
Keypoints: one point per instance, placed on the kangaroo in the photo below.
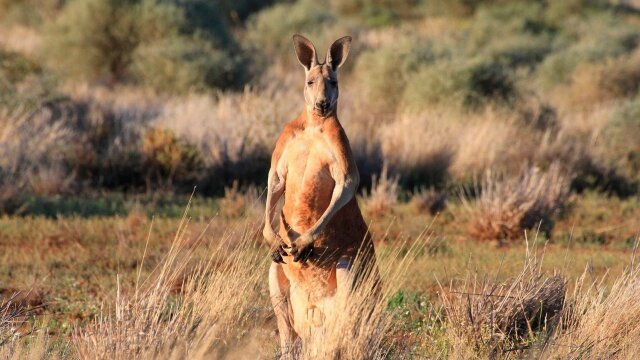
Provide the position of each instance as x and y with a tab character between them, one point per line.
321	228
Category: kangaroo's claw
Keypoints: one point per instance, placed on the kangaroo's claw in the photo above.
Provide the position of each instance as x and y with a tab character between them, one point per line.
302	255
277	254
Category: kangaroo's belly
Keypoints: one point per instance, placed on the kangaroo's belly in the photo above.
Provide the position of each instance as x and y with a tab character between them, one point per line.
308	189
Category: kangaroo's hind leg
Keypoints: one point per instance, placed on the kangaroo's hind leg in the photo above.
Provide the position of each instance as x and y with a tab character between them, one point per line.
279	289
357	274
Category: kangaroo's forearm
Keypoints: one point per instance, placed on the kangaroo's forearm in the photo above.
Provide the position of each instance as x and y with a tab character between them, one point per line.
343	192
275	190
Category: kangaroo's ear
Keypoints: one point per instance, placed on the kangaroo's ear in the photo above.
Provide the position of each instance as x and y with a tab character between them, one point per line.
305	51
338	52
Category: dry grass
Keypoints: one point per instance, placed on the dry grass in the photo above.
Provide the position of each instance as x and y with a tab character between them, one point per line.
20	38
383	195
184	309
231	127
420	147
29	152
429	200
15	329
599	322
239	202
442	145
482	148
491	319
506	207
218	307
11	318
204	294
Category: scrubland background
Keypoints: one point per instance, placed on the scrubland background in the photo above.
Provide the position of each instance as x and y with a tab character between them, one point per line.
498	144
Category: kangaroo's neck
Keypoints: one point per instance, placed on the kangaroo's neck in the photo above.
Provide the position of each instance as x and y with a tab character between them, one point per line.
311	119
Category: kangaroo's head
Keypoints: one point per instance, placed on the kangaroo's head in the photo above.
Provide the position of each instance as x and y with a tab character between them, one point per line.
321	79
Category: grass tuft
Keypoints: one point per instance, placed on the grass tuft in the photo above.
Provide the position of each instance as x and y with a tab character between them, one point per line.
506	207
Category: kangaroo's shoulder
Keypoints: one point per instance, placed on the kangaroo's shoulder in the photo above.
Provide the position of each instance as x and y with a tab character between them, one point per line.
290	130
335	133
337	140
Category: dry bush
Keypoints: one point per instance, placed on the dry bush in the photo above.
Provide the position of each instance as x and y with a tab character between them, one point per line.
429	200
11	317
421	148
492	319
241	202
52	180
383	196
167	157
506	207
17	340
30	151
486	142
120	138
438	145
234	133
233	126
598	323
594	83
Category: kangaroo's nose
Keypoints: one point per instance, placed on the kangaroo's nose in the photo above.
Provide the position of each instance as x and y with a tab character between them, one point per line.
322	105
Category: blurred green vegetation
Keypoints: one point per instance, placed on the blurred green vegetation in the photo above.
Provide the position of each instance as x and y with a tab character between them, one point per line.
115	204
167	45
180	46
525	60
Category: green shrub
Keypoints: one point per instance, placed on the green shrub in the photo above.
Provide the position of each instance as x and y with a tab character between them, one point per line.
200	17
434	84
15	68
515	34
377	13
176	65
506	20
93	39
591	40
270	30
456	8
385	72
462	84
240	10
169	45
519	50
559	11
557	67
621	138
23	83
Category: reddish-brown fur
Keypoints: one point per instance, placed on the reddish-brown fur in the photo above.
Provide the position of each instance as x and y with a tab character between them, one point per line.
308	192
313	168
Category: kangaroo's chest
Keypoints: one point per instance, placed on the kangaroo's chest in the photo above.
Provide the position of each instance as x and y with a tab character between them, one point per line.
309	184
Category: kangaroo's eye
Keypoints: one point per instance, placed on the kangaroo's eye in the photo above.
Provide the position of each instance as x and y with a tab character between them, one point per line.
309	83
